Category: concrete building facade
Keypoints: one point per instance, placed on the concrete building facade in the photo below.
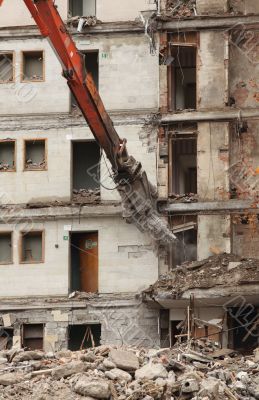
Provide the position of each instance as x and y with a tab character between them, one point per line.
179	79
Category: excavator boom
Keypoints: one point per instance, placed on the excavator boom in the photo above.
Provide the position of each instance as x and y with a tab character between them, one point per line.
137	194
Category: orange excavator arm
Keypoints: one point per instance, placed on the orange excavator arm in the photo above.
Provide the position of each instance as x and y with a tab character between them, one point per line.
137	194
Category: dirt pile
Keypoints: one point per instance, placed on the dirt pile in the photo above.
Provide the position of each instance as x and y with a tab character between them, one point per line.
194	371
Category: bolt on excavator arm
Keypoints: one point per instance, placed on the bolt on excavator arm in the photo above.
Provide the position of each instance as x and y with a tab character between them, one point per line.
137	194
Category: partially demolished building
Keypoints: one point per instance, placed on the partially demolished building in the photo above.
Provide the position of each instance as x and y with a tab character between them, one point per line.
179	79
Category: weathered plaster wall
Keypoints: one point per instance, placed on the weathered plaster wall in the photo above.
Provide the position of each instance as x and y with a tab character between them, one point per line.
244	6
213	235
213	160
212	79
128	76
122	248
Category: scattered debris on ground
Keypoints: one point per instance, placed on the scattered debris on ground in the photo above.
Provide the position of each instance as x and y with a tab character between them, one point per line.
191	371
220	270
6	167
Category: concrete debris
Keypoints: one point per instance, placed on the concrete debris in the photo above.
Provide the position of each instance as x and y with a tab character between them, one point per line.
5	167
181	8
65	376
86	196
84	21
32	165
184	198
211	272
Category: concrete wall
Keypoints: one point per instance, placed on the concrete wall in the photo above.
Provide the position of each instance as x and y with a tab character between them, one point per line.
244	68
212	82
244	161
213	235
56	182
124	321
213	160
128	76
246	238
106	11
126	260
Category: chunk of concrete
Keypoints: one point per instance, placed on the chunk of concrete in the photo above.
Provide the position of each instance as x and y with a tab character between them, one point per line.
124	360
28	356
11	379
151	371
209	386
190	386
74	367
97	388
108	364
118	374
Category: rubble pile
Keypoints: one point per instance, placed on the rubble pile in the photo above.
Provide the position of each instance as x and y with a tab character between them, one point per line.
5	167
86	196
106	372
33	165
221	270
184	198
87	21
182	8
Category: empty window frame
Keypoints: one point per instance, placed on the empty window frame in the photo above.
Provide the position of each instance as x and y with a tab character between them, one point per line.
6	67
7	155
92	67
6	248
32	336
35	155
182	71
33	66
182	164
84	8
32	247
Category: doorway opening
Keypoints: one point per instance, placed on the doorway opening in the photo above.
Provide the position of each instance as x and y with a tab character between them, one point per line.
84	262
243	323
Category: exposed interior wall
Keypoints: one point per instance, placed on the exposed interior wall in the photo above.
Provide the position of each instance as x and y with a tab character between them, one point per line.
211	8
212	81
213	160
244	6
214	233
244	67
245	236
244	161
7	154
127	250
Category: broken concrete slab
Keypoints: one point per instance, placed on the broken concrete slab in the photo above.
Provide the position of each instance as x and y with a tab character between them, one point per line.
97	388
124	360
69	369
151	371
